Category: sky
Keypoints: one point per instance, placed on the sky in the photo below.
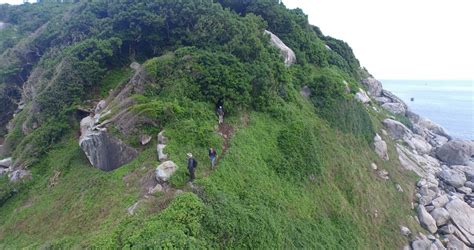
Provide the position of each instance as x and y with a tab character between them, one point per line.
403	39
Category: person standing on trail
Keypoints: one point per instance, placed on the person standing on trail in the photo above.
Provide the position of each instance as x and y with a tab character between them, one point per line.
212	157
220	113
192	164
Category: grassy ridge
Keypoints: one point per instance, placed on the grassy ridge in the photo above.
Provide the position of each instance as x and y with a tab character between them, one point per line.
247	201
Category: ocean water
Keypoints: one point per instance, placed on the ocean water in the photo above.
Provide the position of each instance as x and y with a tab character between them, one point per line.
448	103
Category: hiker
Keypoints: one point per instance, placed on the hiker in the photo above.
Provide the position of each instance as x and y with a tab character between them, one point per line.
192	164
220	113
212	157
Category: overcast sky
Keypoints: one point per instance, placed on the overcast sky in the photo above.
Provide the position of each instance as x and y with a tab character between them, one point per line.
403	39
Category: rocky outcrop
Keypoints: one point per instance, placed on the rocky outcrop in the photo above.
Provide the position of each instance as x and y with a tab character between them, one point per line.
287	54
362	96
426	220
381	147
457	152
453	177
463	218
373	85
19	174
396	108
6	163
165	170
396	129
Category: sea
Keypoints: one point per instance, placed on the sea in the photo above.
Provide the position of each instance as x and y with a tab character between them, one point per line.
447	103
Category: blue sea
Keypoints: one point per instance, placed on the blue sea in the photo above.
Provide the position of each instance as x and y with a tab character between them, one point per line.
448	103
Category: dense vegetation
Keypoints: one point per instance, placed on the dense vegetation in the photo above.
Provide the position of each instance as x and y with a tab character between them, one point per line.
296	173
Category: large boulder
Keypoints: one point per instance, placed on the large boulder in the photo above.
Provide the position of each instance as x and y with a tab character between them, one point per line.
373	85
462	216
441	216
362	96
6	163
287	54
457	152
453	177
426	220
396	108
419	144
380	147
396	129
165	170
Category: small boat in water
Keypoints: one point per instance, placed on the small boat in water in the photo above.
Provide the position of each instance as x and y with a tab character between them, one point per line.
412	99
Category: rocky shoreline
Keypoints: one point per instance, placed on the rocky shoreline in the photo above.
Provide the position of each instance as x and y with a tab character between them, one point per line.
444	200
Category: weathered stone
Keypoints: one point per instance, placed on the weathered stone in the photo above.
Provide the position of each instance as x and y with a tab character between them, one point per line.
161	155
453	177
106	152
469	184
362	96
396	129
447	229
419	144
19	175
145	139
100	106
287	54
455	244
162	139
399	188
436	244
456	152
382	100
135	65
469	172
405	231
165	170
426	220
380	147
421	244
156	189
383	174
373	166
396	108
462	216
6	163
441	216
373	85
465	190
441	201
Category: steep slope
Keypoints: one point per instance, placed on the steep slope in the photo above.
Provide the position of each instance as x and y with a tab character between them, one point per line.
296	151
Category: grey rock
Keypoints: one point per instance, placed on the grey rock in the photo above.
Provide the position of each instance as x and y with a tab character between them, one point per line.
381	100
396	129
421	244
465	190
156	189
406	247
455	244
381	147
430	208
440	201
396	108
6	163
383	174
469	172
106	152
100	106
456	152
165	170
287	54
145	139
135	66
162	139
399	188
393	98
437	245
441	216
447	229
405	231
453	177
19	175
362	96
419	144
373	85
426	220
131	209
161	155
469	184
421	183
373	166
462	216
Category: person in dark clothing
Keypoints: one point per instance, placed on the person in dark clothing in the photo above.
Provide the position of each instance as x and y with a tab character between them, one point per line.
212	157
192	164
220	113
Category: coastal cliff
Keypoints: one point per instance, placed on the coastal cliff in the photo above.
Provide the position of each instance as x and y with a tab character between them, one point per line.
104	101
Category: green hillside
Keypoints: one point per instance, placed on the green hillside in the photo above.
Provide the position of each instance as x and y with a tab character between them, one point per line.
294	171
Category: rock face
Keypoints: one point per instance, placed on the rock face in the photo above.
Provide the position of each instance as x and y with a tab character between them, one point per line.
396	129
441	216
381	147
165	170
463	218
453	177
373	85
362	96
396	108
287	54
103	150
457	152
6	163
426	220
